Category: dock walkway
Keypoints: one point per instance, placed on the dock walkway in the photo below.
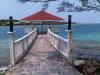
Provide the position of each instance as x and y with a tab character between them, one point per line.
43	59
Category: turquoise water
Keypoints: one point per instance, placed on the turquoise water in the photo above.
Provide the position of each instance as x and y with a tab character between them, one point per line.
86	40
84	35
82	32
4	42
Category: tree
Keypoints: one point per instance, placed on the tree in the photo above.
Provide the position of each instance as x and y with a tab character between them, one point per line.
68	6
98	1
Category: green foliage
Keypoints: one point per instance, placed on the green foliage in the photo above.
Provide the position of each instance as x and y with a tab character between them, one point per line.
5	22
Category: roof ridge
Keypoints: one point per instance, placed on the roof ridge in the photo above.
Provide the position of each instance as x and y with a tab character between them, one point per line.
42	15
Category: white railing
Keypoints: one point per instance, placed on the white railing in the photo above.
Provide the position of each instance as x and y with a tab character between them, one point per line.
59	43
22	45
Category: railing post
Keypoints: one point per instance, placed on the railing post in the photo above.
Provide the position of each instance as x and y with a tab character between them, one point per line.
11	42
69	40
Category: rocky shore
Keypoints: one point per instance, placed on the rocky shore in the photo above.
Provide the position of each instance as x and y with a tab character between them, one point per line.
89	53
91	67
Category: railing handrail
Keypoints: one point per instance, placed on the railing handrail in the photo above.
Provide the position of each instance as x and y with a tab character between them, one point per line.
57	36
58	46
64	46
21	46
25	36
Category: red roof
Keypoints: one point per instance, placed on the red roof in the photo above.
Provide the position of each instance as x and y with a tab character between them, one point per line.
42	15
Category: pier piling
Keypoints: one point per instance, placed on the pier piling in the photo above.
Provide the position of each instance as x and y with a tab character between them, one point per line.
69	39
11	42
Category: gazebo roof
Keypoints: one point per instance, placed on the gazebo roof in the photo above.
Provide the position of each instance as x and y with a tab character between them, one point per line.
42	16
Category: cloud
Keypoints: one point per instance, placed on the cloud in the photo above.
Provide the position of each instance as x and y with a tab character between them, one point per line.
19	10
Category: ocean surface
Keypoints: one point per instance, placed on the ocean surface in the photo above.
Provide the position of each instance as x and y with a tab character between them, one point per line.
85	36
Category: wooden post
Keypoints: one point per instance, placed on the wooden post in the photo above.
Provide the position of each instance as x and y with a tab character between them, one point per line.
69	40
11	41
11	23
69	22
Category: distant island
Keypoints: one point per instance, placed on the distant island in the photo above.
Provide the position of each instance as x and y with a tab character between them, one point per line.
4	22
18	22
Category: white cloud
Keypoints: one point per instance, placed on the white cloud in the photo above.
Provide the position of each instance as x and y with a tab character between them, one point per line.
19	10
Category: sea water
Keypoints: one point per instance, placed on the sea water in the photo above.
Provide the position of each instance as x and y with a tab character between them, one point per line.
87	40
19	31
85	36
83	33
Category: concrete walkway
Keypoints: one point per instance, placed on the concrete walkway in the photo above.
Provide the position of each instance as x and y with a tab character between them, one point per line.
43	59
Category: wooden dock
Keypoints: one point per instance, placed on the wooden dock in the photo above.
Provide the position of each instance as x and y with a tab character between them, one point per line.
43	59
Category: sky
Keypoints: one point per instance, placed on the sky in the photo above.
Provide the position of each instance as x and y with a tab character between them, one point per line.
19	10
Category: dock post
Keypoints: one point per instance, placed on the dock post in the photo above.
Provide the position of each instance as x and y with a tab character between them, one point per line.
11	42
69	37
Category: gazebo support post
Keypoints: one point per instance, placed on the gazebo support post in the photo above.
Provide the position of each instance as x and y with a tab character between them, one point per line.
42	28
33	26
69	40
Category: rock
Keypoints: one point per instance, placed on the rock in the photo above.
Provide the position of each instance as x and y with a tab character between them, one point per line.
3	69
91	70
78	62
92	67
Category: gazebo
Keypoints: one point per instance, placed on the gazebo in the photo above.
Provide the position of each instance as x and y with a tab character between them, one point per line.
42	20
